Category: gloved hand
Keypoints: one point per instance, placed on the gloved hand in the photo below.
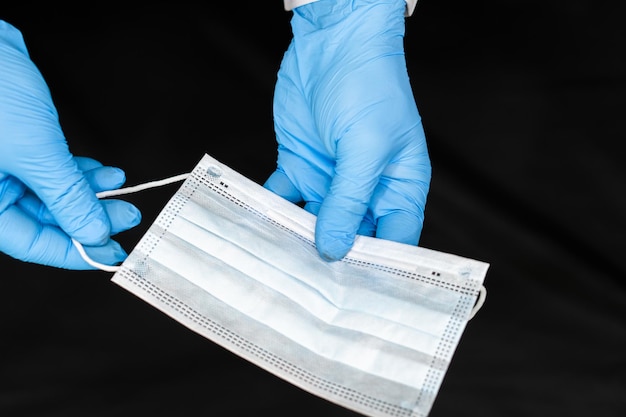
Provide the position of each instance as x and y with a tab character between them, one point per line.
351	144
47	196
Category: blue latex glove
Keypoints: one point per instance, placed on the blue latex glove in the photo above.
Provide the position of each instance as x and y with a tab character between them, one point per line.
47	196
351	144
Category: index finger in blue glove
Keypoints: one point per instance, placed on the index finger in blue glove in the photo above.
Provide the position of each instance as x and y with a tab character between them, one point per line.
99	177
359	164
122	215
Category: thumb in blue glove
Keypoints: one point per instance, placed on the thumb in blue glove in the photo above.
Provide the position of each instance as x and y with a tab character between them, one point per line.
46	194
351	145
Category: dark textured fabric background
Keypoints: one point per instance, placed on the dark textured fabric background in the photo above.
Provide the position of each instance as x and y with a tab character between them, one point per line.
523	105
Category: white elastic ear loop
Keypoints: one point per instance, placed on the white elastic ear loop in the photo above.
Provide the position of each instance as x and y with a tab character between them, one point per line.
479	303
86	258
120	191
135	188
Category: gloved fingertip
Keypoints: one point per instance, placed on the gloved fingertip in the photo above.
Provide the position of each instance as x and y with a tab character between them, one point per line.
111	254
119	254
137	219
93	233
400	227
313	207
12	37
333	247
134	216
117	176
367	228
280	184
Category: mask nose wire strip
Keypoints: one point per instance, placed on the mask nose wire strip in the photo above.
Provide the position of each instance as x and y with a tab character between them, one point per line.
133	189
120	191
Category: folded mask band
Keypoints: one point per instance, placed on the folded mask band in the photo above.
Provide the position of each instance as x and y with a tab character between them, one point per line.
373	332
112	268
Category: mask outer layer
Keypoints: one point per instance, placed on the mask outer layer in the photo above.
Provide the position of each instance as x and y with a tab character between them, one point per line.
234	262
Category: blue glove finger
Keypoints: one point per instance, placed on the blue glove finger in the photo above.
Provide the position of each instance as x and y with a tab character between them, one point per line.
400	227
388	184
33	147
367	227
280	184
400	198
123	215
313	207
346	204
100	178
105	178
11	191
49	245
86	163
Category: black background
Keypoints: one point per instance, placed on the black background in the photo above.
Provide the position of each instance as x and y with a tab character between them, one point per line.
523	104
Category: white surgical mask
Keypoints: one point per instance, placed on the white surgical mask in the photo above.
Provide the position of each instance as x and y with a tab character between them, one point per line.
374	332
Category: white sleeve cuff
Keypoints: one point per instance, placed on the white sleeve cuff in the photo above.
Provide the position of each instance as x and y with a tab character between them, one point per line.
292	4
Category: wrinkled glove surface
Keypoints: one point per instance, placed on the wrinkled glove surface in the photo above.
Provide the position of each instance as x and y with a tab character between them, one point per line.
351	145
47	195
